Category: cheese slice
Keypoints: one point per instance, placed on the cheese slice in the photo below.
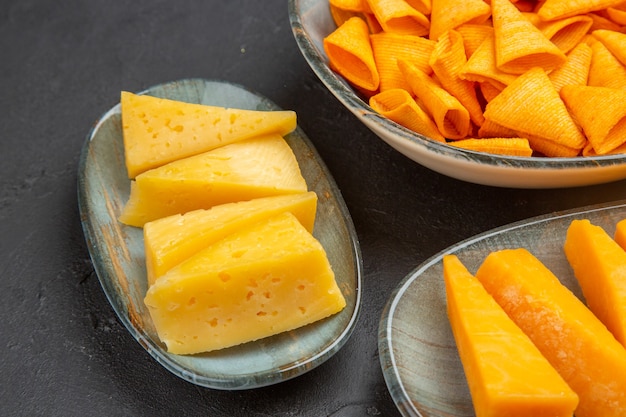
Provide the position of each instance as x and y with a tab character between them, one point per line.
506	373
568	334
258	167
261	281
170	240
599	265
157	131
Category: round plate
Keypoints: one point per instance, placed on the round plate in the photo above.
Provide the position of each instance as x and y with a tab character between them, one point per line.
418	354
117	252
311	21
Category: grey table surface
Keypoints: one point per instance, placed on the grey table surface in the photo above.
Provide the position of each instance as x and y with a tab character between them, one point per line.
62	64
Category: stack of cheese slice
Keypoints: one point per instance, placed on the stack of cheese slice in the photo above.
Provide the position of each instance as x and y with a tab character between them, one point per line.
227	222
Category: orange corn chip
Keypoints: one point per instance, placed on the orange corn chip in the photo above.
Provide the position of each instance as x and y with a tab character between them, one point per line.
614	42
473	36
600	22
422	6
490	129
589	151
340	16
519	44
617	14
450	14
532	107
389	47
399	106
500	146
575	71
558	9
489	91
605	69
398	17
451	118
601	112
447	61
552	149
564	33
359	6
350	53
372	23
481	66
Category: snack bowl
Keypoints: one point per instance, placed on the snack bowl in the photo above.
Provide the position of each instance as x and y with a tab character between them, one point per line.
311	22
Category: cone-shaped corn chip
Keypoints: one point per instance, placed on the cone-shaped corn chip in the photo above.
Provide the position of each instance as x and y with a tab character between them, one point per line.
601	112
447	61
575	71
398	17
451	118
399	106
481	66
519	44
450	14
359	6
564	33
389	47
532	107
600	22
500	146
473	36
350	54
422	6
614	42
340	16
617	14
372	22
525	5
589	151
490	129
605	69
550	148
558	9
489	91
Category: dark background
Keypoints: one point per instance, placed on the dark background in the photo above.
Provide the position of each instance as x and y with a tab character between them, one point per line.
62	64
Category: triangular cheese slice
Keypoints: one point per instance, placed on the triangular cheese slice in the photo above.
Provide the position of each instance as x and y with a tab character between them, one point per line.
506	373
264	280
171	240
258	167
157	130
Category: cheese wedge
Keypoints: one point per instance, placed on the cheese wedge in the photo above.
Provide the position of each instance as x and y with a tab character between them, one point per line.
261	281
170	240
157	131
599	265
258	167
506	373
575	342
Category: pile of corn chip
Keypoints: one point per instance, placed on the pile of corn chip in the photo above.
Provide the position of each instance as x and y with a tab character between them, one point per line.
525	77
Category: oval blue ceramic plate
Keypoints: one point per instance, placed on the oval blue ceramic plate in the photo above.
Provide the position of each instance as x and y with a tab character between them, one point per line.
418	353
118	255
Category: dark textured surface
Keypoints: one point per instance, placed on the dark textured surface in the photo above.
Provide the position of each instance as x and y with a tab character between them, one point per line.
62	64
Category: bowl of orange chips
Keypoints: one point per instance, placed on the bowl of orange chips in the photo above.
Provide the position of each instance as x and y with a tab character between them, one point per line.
523	94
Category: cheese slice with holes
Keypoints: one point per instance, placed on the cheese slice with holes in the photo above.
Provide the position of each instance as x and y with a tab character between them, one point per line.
254	168
268	279
171	240
157	131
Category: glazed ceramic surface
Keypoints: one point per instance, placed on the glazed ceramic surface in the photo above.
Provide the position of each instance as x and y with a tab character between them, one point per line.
118	255
311	21
418	353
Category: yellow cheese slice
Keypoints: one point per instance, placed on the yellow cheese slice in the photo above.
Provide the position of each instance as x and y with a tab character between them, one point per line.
568	334
258	167
506	373
170	240
599	265
261	281
157	131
